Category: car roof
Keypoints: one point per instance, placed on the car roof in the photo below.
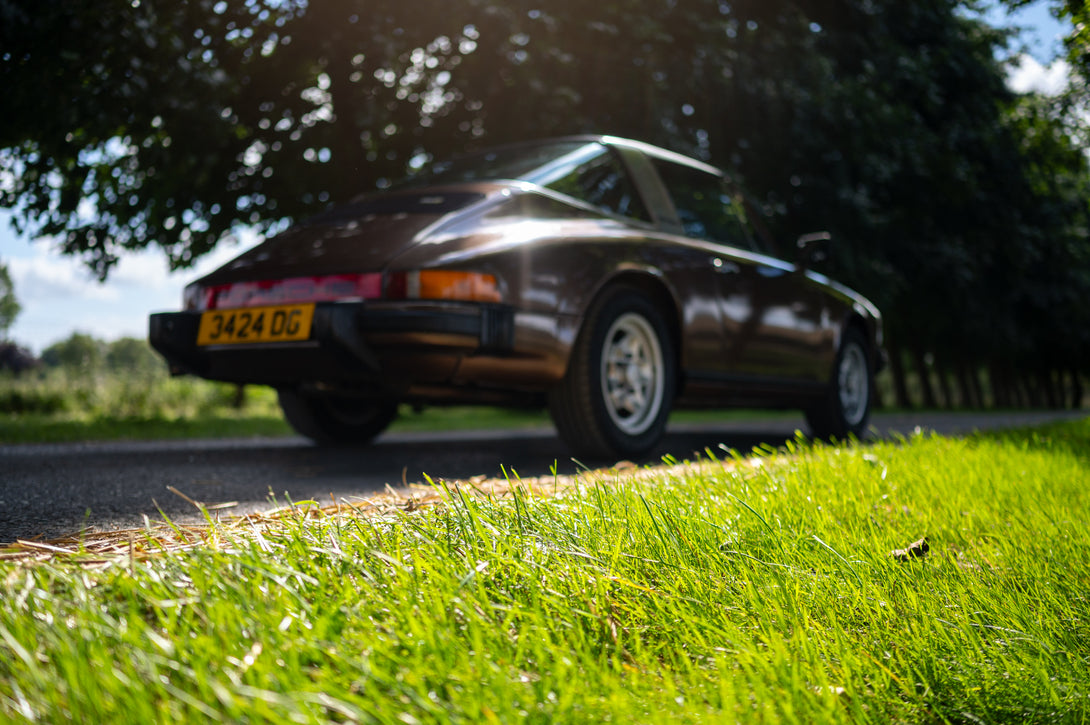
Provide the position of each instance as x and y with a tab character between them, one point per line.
617	141
661	153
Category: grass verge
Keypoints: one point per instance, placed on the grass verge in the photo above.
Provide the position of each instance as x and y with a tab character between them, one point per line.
712	592
224	422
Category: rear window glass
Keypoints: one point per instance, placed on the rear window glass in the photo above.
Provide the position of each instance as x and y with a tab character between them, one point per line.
603	182
704	205
508	162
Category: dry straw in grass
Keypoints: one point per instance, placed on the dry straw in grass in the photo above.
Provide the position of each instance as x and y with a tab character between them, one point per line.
127	546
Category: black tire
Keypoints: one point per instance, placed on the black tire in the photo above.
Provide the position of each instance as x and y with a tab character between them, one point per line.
336	420
844	412
616	396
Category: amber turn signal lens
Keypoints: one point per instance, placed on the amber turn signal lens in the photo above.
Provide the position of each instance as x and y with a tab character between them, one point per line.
441	284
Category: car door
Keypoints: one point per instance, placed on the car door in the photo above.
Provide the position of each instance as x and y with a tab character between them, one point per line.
775	319
776	322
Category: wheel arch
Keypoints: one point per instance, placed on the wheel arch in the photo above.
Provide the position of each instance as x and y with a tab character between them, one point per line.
868	328
589	416
656	288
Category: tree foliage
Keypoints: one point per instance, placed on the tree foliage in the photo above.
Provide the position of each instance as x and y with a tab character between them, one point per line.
78	352
134	142
16	359
960	208
9	304
84	353
132	356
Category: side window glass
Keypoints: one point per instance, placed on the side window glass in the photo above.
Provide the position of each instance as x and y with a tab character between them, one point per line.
704	206
602	182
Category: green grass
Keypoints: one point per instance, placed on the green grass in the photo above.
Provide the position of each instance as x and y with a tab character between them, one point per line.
712	594
224	421
49	429
64	406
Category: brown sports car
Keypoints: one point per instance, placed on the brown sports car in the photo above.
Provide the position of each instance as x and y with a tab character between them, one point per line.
609	280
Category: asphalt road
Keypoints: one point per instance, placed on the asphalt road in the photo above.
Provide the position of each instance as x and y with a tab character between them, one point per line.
48	491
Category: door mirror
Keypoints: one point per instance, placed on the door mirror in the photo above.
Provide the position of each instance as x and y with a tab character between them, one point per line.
812	249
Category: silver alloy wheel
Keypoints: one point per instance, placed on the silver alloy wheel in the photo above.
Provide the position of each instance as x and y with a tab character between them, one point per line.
853	384
633	373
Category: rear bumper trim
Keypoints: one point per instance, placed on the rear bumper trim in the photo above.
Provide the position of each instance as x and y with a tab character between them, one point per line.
339	348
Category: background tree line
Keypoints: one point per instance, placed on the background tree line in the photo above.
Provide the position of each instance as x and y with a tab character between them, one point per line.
959	207
84	354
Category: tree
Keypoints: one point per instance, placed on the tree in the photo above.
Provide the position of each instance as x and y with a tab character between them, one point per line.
9	305
1049	296
132	356
886	122
15	358
183	121
78	352
144	149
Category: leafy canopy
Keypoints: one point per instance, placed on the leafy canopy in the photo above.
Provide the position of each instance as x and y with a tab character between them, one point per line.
9	305
886	122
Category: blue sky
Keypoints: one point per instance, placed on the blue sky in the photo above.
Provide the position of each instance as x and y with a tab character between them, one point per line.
1041	32
59	296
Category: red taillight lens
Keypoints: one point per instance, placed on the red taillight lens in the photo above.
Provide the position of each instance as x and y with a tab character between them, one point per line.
429	284
441	284
327	288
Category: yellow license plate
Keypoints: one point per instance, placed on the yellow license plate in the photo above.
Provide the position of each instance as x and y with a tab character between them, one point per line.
283	323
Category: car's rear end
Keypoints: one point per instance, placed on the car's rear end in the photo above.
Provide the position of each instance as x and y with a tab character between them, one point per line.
321	304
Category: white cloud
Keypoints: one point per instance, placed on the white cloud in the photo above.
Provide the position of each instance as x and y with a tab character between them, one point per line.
59	295
47	276
146	270
1027	75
